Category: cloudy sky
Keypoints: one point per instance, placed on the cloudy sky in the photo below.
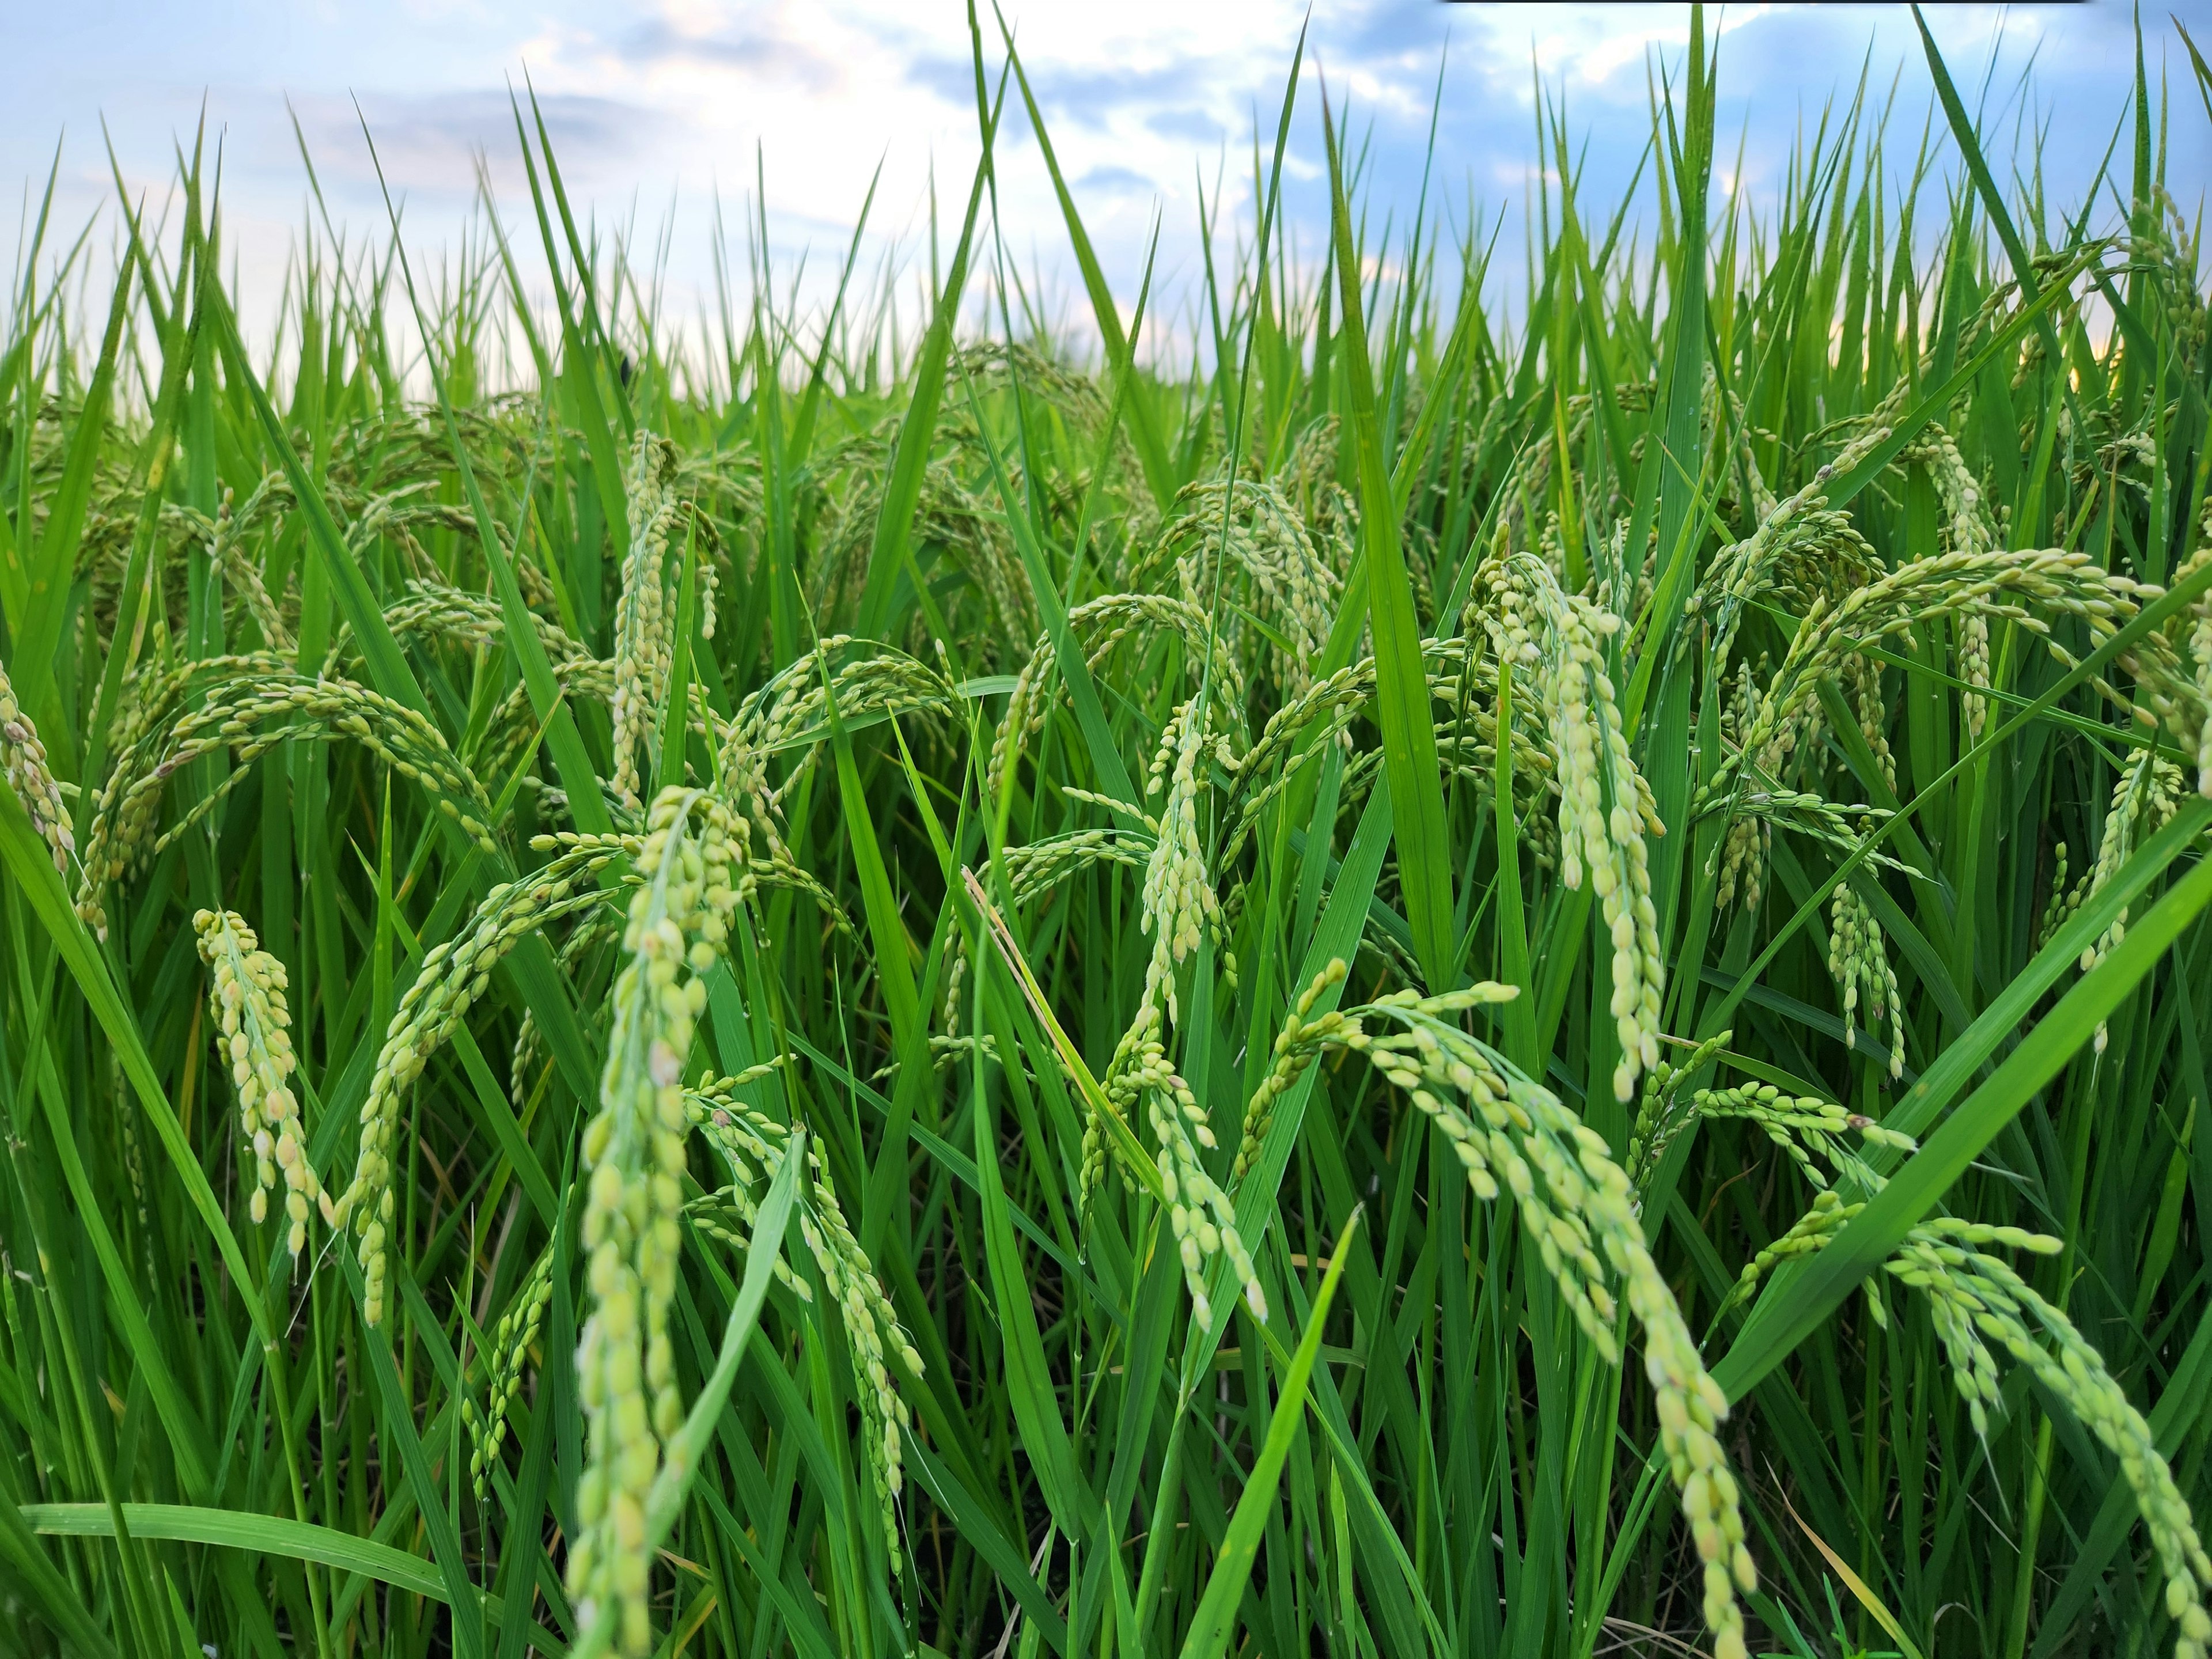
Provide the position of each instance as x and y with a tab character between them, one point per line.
658	108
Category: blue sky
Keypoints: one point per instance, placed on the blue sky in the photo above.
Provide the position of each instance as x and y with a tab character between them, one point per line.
656	107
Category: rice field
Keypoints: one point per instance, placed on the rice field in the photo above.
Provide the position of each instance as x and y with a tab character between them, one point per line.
1517	967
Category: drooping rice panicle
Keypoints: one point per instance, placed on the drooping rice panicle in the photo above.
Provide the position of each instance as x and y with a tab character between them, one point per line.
258	706
1606	808
1666	1109
227	550
747	1142
1297	1046
1578	1209
1178	898
246	1001
1976	1298
1201	1216
512	1340
23	764
2200	654
1860	966
2146	796
1102	625
691	881
644	651
455	975
1253	536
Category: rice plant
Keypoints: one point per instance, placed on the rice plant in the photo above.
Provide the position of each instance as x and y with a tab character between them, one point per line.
1515	969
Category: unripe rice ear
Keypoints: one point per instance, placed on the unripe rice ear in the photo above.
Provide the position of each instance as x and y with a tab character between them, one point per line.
23	764
692	881
246	1009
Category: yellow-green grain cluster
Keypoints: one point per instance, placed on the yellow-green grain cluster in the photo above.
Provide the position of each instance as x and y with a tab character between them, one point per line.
246	1004
23	764
633	1152
454	975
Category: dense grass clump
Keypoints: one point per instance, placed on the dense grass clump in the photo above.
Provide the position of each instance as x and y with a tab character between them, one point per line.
1475	982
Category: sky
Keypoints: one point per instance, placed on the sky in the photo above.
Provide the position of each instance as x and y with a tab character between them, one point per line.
659	111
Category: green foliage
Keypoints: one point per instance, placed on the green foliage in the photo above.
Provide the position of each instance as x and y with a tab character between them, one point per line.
1485	979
